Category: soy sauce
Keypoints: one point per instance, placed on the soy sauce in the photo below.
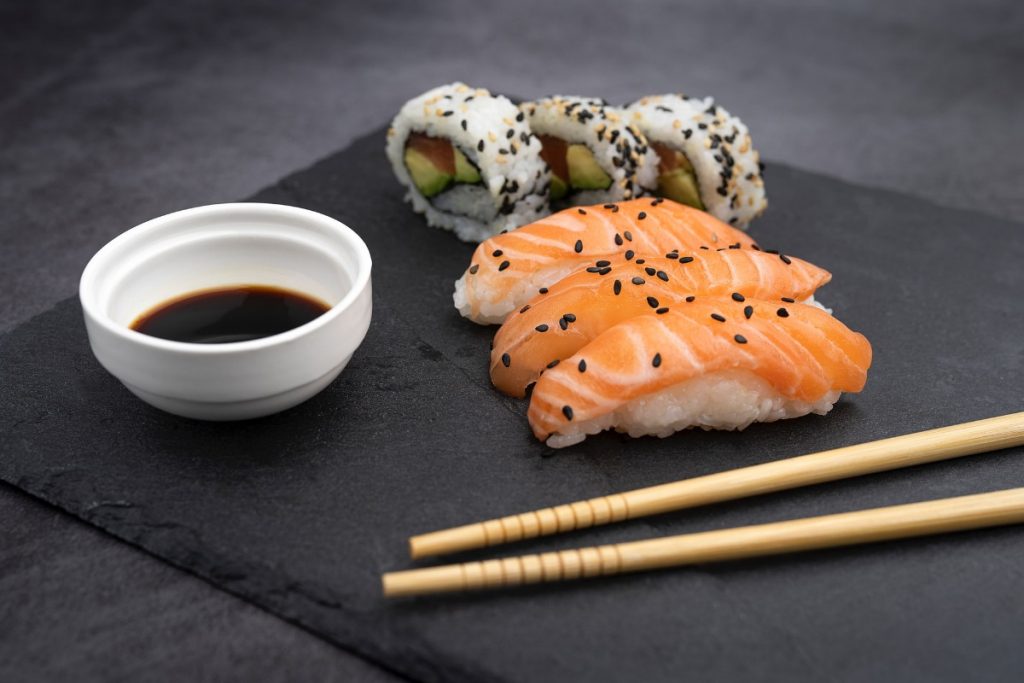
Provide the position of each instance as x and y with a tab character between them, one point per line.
233	314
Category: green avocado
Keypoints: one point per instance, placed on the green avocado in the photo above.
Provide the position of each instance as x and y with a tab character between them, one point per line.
680	186
558	187
427	178
465	171
584	172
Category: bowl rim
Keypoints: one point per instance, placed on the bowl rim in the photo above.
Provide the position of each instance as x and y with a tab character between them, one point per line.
87	282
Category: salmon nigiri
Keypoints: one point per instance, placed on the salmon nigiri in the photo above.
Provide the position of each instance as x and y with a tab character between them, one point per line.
557	324
701	364
508	270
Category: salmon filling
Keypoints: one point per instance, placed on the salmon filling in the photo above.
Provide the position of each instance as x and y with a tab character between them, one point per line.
436	165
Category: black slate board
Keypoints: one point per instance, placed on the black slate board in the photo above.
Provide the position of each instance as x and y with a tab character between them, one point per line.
302	511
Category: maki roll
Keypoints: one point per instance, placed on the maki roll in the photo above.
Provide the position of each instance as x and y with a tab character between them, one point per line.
594	153
468	161
705	157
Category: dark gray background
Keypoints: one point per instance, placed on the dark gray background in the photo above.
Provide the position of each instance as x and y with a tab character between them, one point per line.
111	113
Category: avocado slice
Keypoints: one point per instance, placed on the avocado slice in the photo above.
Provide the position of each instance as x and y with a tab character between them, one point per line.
584	171
676	178
558	187
680	186
428	178
465	171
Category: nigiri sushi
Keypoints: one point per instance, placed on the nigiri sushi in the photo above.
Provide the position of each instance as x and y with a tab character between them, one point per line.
702	364
555	325
509	269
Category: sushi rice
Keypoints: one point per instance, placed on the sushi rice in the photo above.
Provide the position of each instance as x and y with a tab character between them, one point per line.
495	138
619	147
718	146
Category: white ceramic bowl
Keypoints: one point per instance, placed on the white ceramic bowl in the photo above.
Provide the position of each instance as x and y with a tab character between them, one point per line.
220	246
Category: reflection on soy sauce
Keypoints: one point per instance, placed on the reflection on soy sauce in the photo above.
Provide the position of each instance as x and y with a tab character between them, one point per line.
231	314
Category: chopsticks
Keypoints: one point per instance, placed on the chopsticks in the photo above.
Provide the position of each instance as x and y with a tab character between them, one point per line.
851	528
877	456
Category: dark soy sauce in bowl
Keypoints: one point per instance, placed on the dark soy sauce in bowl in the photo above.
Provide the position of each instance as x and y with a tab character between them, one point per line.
231	314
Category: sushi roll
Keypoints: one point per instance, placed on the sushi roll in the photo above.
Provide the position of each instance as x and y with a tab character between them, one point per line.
594	153
575	310
469	161
506	271
705	157
703	364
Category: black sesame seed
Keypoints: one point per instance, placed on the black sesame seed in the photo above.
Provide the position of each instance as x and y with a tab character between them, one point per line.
567	411
663	309
705	248
627	234
579	246
652	302
638	280
615	209
672	255
582	366
617	287
570	317
605	270
525	308
782	313
609	206
582	212
602	263
496	253
702	126
719	318
506	359
552	364
563	323
663	276
740	339
447	113
656	361
630	254
641	261
642	215
736	296
650	271
541	328
685	259
510	133
593	269
503	266
618	239
748	311
480	146
473	268
657	201
464	124
788	300
690	299
785	259
543	290
520	116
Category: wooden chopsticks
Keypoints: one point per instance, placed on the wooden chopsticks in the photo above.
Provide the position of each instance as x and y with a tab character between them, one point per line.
851	528
865	526
933	445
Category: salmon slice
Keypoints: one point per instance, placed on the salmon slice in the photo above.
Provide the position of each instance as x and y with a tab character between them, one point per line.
509	269
702	363
576	309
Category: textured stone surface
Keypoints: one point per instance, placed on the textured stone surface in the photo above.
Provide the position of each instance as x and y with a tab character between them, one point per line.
301	512
112	112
